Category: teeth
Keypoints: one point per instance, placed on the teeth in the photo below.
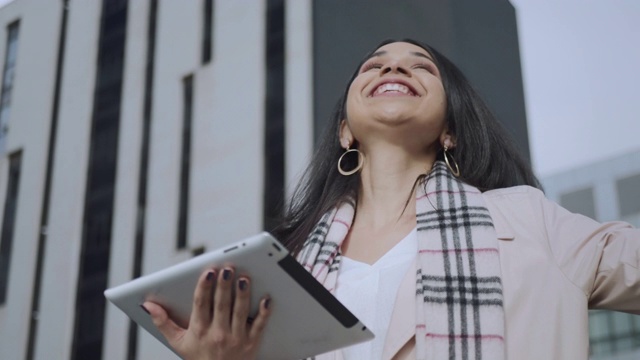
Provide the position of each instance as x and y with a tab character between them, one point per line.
392	87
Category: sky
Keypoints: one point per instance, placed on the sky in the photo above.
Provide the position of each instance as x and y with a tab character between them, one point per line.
580	62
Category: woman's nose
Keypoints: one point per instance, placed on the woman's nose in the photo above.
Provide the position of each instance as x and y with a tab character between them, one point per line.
395	67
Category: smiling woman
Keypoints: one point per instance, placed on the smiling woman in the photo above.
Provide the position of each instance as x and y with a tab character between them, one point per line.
434	233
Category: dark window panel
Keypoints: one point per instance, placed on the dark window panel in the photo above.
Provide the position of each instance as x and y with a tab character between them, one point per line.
629	195
99	198
187	118
580	201
207	31
8	77
8	222
274	151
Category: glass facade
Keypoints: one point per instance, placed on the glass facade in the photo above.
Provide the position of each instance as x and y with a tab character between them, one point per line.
613	332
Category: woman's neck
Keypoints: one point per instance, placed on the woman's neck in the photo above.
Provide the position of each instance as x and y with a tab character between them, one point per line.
387	180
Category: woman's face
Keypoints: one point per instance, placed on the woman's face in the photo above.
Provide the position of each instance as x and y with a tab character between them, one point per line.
397	96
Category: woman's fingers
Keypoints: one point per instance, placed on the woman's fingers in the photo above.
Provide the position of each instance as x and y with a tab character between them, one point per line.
222	303
169	329
202	296
259	323
241	308
225	334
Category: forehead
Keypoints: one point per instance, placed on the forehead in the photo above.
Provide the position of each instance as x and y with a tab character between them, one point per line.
402	48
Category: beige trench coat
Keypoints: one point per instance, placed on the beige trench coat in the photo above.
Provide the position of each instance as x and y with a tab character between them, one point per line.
555	266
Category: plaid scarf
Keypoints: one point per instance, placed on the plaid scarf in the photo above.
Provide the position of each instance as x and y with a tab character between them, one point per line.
459	312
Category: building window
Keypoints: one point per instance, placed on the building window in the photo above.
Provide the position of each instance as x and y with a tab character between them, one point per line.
274	115
580	201
187	116
101	182
8	222
612	333
8	75
629	195
207	31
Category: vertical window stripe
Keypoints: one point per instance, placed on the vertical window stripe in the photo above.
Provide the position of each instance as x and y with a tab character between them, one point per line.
8	222
185	162
100	189
8	75
274	169
207	31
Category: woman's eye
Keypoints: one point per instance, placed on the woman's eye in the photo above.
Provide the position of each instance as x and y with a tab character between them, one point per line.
426	67
369	66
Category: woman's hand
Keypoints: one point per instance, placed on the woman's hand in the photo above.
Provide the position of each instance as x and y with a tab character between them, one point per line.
219	326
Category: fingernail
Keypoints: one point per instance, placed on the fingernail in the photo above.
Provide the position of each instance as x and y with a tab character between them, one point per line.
267	301
209	275
226	274
242	284
145	309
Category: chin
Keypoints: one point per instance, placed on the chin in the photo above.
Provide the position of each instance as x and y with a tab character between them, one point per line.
392	115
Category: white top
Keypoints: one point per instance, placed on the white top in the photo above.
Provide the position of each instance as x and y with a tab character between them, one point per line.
369	292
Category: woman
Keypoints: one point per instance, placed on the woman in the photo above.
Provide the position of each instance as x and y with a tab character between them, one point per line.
463	262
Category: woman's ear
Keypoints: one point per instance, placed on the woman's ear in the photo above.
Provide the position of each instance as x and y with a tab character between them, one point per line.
447	139
346	137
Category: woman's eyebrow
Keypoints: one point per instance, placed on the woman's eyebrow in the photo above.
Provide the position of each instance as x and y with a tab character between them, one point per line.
414	53
419	54
376	54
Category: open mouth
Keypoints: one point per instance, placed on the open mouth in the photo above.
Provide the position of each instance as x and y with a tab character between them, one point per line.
393	88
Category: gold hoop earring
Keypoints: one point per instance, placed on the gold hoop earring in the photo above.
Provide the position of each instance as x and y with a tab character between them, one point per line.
357	168
455	172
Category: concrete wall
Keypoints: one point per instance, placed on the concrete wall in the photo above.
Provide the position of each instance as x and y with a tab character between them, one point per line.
29	124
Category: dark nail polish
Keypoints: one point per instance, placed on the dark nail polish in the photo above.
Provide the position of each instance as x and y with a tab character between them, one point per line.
145	309
226	274
242	284
266	303
209	275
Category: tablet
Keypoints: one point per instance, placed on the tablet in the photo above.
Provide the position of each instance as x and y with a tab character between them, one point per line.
306	318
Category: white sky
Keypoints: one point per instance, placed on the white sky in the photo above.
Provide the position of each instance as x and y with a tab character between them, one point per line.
581	69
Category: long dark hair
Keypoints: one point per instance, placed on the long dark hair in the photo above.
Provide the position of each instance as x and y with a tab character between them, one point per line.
486	155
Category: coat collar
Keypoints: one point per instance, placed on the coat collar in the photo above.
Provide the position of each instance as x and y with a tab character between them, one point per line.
504	231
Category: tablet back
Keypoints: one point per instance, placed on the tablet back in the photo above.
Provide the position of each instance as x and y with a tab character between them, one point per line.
306	319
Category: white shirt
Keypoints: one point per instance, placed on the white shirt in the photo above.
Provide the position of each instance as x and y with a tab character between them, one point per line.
369	292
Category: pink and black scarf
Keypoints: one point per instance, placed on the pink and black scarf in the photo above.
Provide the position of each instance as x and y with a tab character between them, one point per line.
459	312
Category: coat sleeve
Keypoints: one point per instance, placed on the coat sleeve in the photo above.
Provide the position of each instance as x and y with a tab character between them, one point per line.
603	259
